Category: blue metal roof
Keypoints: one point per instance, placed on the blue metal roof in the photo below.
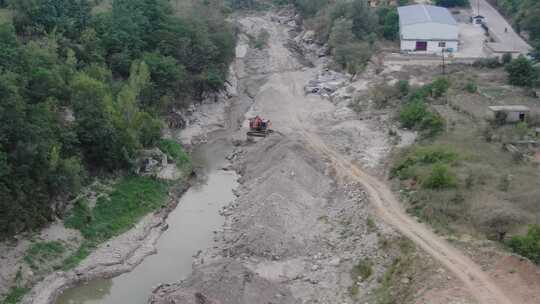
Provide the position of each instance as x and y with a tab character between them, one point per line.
414	14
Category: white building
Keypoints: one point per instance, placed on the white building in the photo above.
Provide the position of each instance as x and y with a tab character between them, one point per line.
427	29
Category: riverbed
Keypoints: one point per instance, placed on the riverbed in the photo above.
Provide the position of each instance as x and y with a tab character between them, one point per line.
191	228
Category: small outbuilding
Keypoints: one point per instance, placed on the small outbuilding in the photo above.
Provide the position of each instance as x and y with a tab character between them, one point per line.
512	113
427	29
478	20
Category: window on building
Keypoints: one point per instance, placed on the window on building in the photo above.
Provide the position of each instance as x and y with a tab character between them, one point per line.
442	44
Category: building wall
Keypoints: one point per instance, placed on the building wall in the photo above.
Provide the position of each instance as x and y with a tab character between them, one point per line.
512	116
432	46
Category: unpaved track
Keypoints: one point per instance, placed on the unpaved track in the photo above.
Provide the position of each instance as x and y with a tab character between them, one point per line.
285	102
479	283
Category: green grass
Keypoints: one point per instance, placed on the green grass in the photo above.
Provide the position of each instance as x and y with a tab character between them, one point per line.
80	215
76	257
15	295
422	163
131	198
177	153
43	252
392	290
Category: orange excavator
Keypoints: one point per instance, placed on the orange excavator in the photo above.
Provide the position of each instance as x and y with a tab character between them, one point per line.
259	127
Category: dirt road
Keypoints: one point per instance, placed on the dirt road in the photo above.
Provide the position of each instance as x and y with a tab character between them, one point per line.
293	180
498	25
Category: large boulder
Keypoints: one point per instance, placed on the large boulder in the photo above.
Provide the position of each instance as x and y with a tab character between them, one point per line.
151	162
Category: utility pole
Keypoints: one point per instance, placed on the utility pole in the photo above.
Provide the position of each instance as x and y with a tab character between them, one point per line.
443	63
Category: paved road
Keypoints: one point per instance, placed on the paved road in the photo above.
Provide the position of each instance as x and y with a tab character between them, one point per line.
498	24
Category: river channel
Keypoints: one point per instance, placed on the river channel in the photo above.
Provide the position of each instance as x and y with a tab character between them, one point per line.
191	227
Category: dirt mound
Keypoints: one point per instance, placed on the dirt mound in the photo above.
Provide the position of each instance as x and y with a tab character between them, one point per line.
281	183
226	282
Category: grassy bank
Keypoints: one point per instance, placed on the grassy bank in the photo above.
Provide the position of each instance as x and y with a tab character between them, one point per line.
132	198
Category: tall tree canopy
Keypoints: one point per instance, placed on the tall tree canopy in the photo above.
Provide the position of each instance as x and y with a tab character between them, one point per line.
82	92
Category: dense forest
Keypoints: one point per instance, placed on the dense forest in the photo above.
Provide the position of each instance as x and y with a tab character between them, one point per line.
82	90
525	15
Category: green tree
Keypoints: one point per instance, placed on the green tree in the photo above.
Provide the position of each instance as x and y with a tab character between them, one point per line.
99	139
364	20
68	17
391	25
9	47
521	72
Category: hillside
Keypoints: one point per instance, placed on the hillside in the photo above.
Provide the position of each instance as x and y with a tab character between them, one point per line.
84	89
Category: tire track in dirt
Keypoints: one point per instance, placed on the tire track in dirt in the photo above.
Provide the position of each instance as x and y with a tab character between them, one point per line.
480	285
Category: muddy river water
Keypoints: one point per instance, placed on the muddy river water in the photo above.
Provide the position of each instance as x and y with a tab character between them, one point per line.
191	227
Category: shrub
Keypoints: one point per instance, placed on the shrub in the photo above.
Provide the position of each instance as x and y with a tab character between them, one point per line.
175	151
403	87
506	58
496	220
412	113
416	115
432	124
521	72
471	87
440	178
527	245
424	156
79	216
439	87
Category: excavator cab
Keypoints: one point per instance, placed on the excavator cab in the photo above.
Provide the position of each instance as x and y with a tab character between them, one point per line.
259	127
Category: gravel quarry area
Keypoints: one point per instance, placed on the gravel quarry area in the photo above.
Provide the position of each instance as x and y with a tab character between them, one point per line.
303	230
314	220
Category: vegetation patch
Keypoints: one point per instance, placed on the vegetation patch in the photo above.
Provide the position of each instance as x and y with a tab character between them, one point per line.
395	285
415	112
131	198
527	245
84	84
80	254
15	295
362	270
175	151
429	175
42	253
359	273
